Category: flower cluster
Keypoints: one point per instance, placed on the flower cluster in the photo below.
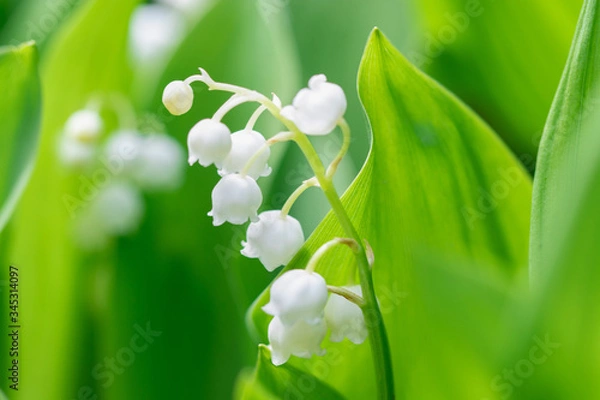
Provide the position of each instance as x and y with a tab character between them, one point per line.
300	304
115	168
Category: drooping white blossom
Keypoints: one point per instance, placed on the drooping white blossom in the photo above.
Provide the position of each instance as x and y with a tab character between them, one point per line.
209	142
178	97
274	239
298	295
84	126
159	163
244	145
300	339
235	199
345	319
317	109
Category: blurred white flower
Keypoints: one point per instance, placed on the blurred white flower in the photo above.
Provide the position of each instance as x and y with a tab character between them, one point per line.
345	319
187	6
235	199
274	239
317	109
300	339
298	295
83	126
244	145
121	152
209	142
159	163
154	31
118	209
178	97
73	153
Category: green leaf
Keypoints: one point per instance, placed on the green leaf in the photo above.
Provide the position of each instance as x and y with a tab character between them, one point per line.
565	224
437	180
20	108
566	138
287	382
491	53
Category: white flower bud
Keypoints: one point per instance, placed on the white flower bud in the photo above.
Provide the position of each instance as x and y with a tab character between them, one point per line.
345	319
298	295
317	109
300	339
159	163
178	97
118	208
274	239
235	199
84	126
244	145
209	142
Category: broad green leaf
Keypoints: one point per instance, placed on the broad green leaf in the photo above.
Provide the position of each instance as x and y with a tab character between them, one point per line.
437	180
566	216
502	57
566	138
87	57
284	382
20	107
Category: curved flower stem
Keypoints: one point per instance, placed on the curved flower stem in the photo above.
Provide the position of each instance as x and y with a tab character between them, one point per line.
343	124
347	294
321	251
285	210
254	117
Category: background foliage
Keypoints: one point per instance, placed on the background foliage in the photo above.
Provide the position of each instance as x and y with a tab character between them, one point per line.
444	195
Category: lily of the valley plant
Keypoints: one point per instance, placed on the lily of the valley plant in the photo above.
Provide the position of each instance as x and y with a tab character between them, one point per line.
301	304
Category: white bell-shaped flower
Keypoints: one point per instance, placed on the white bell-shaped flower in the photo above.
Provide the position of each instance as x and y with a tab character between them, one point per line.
345	319
317	109
244	145
118	208
235	199
84	126
273	239
159	163
209	142
300	339
178	97
298	295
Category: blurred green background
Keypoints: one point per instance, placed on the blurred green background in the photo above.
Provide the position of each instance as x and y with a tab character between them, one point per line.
177	273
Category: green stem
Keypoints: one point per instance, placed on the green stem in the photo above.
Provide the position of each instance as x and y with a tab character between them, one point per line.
378	337
294	196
